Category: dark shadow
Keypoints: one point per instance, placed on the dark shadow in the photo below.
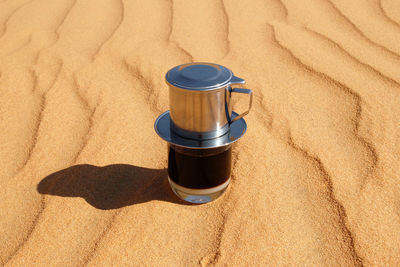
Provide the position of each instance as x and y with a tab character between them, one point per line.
110	187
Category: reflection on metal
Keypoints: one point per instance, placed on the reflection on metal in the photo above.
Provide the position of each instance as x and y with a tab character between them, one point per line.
200	96
163	123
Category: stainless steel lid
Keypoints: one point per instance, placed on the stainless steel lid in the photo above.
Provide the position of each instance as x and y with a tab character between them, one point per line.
163	129
201	76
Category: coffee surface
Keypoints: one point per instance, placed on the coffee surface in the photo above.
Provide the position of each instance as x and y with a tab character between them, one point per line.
199	169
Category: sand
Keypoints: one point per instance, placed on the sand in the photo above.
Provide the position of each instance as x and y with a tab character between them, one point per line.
83	177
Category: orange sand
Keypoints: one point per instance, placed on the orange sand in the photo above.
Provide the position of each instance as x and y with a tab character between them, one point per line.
316	179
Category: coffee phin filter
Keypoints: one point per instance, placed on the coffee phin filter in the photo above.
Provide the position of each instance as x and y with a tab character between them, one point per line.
200	128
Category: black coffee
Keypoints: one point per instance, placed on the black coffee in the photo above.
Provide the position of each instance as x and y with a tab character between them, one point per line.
199	168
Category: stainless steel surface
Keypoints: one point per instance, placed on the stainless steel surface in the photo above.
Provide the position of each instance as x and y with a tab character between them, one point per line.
163	128
199	114
200	135
200	99
243	91
199	76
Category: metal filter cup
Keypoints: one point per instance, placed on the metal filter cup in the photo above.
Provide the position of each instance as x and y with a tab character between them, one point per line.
200	100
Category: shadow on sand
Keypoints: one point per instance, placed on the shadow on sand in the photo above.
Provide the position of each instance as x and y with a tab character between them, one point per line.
110	187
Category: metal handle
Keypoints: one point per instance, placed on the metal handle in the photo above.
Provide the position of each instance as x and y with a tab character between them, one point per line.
243	91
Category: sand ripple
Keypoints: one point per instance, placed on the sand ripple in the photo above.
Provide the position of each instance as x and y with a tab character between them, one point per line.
83	178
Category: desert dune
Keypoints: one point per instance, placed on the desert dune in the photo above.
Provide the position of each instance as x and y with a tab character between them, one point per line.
83	178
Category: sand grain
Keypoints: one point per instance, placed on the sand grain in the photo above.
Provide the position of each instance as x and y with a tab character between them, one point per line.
83	175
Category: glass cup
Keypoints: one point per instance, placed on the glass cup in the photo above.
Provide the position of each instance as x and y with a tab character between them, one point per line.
199	175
